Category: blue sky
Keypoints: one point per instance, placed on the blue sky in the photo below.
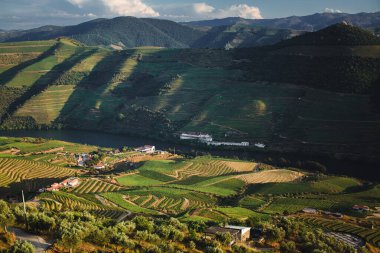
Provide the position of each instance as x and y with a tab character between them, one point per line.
22	14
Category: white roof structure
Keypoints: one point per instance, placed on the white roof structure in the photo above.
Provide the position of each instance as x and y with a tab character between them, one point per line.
243	230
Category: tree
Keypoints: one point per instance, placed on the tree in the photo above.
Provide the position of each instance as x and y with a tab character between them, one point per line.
224	238
288	247
6	216
22	247
275	234
143	223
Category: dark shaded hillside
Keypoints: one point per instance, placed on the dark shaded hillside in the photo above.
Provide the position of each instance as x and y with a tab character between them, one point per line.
311	60
236	36
341	34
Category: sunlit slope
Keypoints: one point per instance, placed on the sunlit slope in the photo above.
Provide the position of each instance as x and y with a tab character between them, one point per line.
157	92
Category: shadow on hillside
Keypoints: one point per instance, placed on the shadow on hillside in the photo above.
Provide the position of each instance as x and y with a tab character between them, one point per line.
43	82
82	102
9	74
29	186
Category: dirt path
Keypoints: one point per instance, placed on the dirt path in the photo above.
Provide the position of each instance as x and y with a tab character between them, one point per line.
40	244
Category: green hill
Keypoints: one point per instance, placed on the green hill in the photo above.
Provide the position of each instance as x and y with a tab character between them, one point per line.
340	58
313	99
341	34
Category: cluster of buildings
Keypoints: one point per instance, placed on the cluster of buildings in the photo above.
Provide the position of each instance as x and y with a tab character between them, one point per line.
82	159
207	139
67	183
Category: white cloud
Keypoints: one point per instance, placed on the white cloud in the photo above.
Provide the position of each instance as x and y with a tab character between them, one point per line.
201	8
78	3
329	10
240	10
130	8
121	7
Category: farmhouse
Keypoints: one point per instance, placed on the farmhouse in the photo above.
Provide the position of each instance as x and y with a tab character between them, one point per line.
238	233
202	137
70	182
146	149
99	166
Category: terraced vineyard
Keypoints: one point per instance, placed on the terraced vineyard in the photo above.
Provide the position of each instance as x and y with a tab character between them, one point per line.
59	201
269	176
95	186
166	200
16	170
211	168
369	235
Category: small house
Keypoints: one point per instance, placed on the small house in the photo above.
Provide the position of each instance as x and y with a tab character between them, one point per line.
99	166
238	233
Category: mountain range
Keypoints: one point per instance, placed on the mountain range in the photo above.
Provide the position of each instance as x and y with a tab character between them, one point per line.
130	32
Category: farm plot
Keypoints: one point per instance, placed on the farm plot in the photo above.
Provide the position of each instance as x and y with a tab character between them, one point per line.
369	235
270	176
239	212
95	186
166	200
204	167
292	205
59	201
46	106
329	184
35	145
221	186
16	170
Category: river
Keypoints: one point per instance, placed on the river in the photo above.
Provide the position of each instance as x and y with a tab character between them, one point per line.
343	167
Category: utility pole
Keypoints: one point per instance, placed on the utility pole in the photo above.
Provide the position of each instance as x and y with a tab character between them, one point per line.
26	220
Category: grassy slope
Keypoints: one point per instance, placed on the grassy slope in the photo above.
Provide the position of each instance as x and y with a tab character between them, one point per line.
195	92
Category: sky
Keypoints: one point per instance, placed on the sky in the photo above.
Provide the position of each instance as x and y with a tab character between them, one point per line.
25	14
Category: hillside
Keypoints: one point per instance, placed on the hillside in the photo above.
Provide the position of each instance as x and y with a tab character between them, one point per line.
125	31
305	23
167	203
341	34
240	36
347	55
275	95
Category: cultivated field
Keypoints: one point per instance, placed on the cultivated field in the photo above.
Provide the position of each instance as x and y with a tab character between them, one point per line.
95	186
22	170
369	235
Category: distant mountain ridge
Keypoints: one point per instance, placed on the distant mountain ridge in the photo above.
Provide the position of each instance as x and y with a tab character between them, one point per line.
131	32
309	23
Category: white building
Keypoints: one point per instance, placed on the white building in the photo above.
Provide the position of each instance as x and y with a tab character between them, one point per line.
244	232
146	149
260	145
221	143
